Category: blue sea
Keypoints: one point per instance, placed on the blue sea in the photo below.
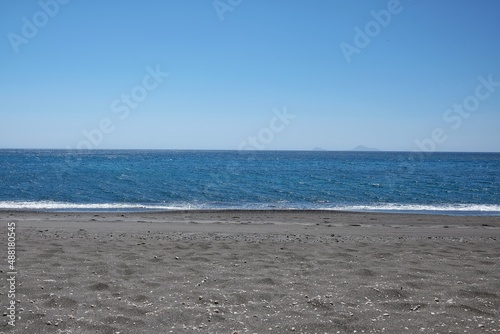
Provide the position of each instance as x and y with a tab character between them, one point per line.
141	180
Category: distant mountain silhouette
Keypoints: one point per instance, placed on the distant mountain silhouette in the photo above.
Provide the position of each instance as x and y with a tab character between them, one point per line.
362	148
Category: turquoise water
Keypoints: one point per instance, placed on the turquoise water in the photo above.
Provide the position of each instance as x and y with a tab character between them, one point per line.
453	183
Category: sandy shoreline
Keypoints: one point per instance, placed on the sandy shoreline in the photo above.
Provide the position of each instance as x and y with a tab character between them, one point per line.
253	272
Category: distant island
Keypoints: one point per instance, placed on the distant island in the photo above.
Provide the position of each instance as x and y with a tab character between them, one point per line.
362	148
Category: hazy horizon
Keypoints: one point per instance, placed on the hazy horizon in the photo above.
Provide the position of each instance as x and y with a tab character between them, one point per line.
240	75
235	150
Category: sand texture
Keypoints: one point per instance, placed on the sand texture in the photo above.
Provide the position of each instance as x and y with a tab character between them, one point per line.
253	272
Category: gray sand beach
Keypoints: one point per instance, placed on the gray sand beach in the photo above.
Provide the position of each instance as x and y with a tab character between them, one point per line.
253	272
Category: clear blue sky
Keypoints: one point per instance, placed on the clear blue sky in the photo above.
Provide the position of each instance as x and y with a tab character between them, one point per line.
227	76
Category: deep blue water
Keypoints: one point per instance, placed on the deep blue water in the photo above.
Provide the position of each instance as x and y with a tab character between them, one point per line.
456	183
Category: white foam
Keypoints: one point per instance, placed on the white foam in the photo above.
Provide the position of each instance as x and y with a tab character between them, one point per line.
50	205
486	208
464	209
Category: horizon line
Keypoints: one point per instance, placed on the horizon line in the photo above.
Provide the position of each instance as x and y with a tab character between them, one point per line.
236	150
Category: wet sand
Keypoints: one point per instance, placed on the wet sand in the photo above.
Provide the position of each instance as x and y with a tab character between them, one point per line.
253	272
